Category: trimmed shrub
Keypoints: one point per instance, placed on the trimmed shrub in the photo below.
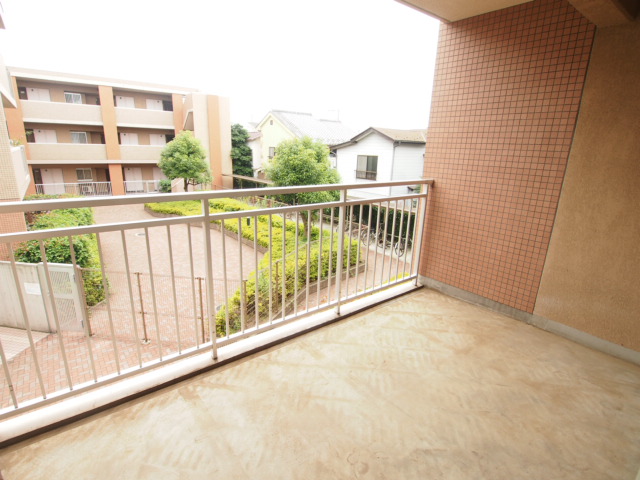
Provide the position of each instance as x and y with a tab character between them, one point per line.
193	207
57	249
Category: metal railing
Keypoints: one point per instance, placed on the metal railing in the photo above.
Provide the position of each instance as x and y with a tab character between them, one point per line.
366	174
83	189
161	299
141	186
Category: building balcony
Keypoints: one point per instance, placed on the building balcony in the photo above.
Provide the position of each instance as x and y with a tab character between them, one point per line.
21	169
401	381
144	118
63	113
67	152
81	189
141	153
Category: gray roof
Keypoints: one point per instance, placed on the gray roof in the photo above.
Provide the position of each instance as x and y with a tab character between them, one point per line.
401	136
329	132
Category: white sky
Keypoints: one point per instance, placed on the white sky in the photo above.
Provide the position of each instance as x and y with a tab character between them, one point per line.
372	60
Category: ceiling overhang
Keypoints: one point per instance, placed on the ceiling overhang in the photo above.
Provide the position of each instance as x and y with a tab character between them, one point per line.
603	13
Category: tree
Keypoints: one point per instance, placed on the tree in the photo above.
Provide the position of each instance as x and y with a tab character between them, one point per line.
184	157
241	155
303	162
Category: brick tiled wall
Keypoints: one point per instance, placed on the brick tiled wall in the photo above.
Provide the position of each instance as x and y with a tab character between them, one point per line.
506	96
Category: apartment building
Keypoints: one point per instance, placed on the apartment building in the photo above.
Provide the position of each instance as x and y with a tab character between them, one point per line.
97	136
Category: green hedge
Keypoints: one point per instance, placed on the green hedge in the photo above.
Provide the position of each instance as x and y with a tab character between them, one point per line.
231	205
58	250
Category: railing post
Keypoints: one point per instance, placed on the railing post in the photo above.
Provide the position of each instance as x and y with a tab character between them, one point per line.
145	339
201	308
211	309
341	235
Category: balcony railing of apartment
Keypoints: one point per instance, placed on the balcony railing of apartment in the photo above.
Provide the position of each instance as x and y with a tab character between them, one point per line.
83	189
141	186
366	174
19	157
217	279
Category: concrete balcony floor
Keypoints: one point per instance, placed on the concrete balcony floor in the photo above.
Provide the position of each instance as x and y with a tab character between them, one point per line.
421	387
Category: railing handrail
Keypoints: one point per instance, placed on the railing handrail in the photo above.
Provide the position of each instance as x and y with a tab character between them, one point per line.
38	205
79	182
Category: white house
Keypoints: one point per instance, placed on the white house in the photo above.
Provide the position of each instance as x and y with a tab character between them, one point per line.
254	143
381	155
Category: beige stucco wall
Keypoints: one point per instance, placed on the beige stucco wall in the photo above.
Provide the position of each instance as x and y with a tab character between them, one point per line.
591	277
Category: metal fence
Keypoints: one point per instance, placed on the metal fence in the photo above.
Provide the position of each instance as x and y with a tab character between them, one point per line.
203	289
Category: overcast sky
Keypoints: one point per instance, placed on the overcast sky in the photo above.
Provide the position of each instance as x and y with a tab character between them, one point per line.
371	60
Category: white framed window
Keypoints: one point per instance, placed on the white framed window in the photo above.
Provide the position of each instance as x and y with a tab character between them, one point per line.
84	174
79	137
272	152
72	97
367	167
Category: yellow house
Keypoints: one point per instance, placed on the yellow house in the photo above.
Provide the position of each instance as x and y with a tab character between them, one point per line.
279	125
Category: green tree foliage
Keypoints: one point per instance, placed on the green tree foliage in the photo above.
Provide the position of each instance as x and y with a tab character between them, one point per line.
57	249
241	155
184	157
303	162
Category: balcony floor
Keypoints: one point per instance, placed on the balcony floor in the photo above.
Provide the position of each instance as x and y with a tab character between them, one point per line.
424	386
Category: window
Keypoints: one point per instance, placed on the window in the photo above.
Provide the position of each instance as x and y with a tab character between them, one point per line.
167	105
272	152
84	175
22	93
71	97
79	137
367	167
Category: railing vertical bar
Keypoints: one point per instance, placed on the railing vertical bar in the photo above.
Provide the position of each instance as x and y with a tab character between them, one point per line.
257	270
270	253
402	240
308	260
173	289
422	222
211	305
225	287
54	311
153	292
105	289
319	259
25	317
7	375
242	291
393	236
375	258
330	267
295	275
359	243
384	241
193	288
85	324
339	261
131	301
349	219
409	243
368	247
283	283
